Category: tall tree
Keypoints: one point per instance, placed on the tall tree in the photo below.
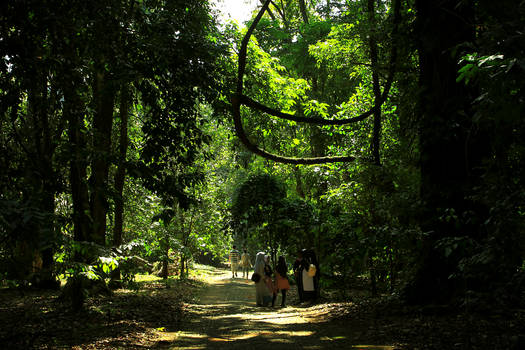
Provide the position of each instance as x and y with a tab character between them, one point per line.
120	174
63	65
31	94
449	154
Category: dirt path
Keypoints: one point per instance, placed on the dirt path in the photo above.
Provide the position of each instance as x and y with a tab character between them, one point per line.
226	317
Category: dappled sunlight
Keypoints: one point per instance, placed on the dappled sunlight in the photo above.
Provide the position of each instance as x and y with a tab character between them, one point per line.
190	347
270	335
271	317
191	335
325	338
373	347
173	336
225	316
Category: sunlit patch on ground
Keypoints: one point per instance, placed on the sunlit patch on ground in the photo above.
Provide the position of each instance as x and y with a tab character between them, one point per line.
171	336
274	337
226	317
296	333
268	317
190	347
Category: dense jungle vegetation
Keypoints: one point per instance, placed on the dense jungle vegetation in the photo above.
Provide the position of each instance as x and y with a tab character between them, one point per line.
145	135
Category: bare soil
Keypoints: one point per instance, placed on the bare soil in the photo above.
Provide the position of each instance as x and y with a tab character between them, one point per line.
226	317
219	312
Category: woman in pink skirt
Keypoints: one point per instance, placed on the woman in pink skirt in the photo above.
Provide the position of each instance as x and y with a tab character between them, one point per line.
281	281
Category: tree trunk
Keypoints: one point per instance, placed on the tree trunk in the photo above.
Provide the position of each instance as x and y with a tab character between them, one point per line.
304	12
164	272
373	276
74	113
46	278
299	186
121	173
186	232
42	184
49	178
270	13
444	122
103	96
184	240
376	137
392	269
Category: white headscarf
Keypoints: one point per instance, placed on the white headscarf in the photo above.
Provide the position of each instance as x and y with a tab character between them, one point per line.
259	263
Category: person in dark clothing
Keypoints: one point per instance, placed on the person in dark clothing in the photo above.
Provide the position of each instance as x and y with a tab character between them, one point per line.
313	261
298	267
310	276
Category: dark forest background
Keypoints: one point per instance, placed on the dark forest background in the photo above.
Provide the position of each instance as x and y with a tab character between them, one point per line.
119	151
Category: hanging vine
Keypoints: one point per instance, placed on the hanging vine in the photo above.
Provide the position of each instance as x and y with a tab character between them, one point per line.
241	99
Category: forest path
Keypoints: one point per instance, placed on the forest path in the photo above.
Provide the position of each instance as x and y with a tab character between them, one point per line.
226	316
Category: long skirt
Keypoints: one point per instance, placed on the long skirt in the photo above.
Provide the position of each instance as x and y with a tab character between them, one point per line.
308	282
263	296
299	281
281	282
309	292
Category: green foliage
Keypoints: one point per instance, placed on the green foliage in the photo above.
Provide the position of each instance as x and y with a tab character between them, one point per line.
496	70
296	223
256	201
372	222
21	237
472	64
192	190
166	52
174	83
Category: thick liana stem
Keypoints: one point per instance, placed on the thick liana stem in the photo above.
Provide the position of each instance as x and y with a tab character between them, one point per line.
281	159
376	138
240	99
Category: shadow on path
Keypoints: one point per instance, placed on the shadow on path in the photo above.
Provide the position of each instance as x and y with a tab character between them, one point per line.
226	317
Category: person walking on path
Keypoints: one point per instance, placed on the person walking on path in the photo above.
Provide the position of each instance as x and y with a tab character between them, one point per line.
268	276
310	275
246	264
234	261
262	294
281	281
298	267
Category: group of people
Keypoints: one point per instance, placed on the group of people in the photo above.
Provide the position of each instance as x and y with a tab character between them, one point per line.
237	260
306	272
269	282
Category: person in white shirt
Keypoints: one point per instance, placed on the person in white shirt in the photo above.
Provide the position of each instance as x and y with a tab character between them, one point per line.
234	261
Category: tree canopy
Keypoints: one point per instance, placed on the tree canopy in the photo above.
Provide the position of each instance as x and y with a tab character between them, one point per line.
387	136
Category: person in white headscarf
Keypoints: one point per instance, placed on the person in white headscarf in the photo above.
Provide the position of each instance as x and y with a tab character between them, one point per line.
263	295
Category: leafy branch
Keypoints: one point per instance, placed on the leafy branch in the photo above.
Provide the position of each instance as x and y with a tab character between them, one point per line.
241	99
